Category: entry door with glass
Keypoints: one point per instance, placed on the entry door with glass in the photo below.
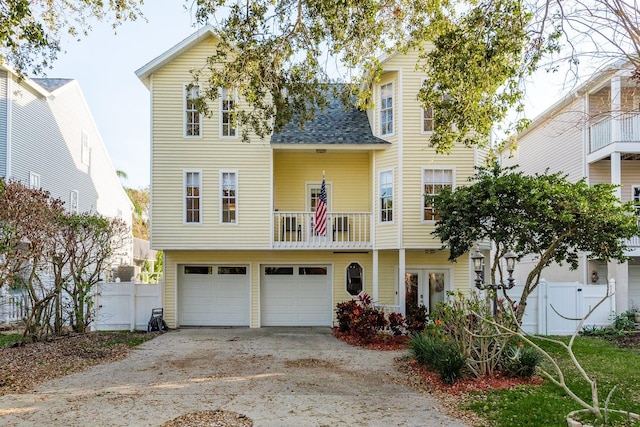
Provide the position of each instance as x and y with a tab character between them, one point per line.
424	287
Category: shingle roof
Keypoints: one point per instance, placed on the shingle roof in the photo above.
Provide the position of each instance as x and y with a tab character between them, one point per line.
52	84
334	125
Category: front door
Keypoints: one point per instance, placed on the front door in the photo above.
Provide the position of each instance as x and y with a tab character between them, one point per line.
425	287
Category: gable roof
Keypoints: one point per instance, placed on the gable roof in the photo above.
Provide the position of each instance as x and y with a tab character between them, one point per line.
155	64
333	125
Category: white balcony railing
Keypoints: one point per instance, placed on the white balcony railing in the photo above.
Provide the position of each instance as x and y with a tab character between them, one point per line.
294	230
601	134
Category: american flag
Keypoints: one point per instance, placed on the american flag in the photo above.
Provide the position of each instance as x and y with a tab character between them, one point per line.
320	220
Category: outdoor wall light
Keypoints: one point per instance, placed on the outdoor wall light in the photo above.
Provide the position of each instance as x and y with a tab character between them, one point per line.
478	267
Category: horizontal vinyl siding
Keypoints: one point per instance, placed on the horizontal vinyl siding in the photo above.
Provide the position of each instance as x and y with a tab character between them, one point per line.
256	259
171	154
600	172
3	123
556	145
348	173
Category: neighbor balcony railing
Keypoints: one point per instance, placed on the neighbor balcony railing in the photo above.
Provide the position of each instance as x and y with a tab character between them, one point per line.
602	133
295	230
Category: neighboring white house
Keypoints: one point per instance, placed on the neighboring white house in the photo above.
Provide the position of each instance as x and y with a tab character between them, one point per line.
592	133
49	140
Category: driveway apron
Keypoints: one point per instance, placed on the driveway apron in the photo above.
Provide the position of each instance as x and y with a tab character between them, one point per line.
275	376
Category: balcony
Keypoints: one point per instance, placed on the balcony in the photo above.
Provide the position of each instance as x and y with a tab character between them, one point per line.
603	133
345	230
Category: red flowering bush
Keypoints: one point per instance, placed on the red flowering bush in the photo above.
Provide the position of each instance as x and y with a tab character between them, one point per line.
359	318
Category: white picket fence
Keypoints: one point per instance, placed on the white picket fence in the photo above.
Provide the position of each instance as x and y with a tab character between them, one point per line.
556	308
125	305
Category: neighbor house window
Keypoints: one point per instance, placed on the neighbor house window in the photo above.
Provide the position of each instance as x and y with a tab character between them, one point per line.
427	119
73	201
433	181
34	181
227	104
85	151
636	198
192	117
229	197
386	196
193	196
386	109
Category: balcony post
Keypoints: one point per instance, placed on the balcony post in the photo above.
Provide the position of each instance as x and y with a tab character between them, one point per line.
402	287
374	275
616	99
616	174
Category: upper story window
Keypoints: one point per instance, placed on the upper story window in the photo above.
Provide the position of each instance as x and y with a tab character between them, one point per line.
386	196
227	104
229	197
636	198
85	150
386	109
73	201
34	181
192	117
193	197
427	119
434	180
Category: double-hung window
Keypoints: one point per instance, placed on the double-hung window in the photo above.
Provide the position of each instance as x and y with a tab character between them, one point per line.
386	109
229	197
227	104
34	181
192	117
427	119
433	181
386	196
636	199
193	197
73	201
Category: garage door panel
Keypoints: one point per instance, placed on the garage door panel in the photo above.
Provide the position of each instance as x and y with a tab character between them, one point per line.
214	299
296	300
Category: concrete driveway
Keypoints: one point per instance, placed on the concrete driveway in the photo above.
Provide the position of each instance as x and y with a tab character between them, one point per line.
275	376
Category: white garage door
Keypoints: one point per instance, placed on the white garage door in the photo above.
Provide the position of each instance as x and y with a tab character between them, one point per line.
296	296
215	295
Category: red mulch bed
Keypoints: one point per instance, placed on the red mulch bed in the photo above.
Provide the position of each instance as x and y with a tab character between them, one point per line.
498	381
383	342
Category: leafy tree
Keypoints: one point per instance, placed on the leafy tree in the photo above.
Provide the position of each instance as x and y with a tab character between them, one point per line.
141	202
27	228
31	31
544	215
474	54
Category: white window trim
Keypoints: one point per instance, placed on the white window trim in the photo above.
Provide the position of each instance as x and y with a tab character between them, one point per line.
380	221
235	103
393	107
220	196
35	181
184	196
422	183
77	197
184	113
85	149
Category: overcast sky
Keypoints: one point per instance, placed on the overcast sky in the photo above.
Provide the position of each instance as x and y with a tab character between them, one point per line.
104	64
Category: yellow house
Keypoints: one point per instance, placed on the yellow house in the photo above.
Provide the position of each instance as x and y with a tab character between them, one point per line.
242	241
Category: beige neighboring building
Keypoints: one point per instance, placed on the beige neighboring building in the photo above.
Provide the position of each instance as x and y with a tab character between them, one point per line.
594	133
237	221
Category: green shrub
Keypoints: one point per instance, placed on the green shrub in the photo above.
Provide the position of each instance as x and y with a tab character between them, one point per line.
443	356
624	321
520	360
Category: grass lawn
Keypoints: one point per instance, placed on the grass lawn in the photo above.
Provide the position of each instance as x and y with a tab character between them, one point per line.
548	405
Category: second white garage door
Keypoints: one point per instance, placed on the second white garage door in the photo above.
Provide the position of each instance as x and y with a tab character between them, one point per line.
296	296
214	295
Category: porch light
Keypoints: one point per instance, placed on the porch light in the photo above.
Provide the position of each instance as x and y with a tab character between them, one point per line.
478	267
